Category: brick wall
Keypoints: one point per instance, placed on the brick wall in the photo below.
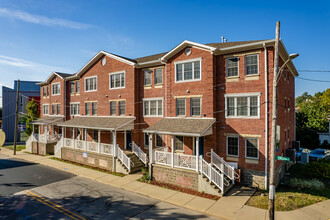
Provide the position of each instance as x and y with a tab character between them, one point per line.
92	159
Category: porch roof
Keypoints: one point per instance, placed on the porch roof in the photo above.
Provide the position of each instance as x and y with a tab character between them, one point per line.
101	123
195	127
48	120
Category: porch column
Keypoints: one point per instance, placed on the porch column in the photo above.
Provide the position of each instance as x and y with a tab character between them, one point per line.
32	129
99	141
125	139
150	156
197	152
172	148
46	134
114	141
85	131
73	140
38	133
63	134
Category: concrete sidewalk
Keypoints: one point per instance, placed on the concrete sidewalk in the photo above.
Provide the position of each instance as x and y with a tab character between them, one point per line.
231	206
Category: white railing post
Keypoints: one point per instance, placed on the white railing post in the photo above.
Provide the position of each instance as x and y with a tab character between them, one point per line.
73	139
114	142
197	151
46	134
99	142
211	156
172	148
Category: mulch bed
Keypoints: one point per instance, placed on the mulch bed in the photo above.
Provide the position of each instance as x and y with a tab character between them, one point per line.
87	166
182	189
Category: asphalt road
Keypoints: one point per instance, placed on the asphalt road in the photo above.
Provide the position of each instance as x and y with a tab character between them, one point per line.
32	191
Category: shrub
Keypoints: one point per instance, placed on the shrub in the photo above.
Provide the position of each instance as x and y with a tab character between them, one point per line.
145	175
319	169
313	184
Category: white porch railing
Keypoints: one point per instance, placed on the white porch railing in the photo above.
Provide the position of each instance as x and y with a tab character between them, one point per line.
123	158
68	142
164	158
58	146
139	153
28	143
106	149
185	161
223	166
78	144
50	137
212	174
92	146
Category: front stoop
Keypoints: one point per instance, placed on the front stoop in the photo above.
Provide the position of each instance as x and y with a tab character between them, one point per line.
136	164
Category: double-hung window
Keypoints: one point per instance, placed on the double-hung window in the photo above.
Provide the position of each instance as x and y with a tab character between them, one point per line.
91	84
252	148
195	106
44	91
158	76
188	71
94	108
77	87
146	140
117	80
232	146
53	109
121	108
147	77
71	87
45	109
178	142
243	105
232	66
47	88
153	107
87	108
159	140
180	107
56	88
74	109
113	108
251	64
58	106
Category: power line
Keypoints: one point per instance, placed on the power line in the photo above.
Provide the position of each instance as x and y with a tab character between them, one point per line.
314	80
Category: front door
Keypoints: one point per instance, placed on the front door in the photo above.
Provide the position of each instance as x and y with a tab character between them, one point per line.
128	140
201	146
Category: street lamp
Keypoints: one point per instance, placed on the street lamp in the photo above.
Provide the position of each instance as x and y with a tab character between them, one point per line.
291	57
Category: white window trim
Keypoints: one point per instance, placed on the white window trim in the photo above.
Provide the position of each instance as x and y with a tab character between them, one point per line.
58	83
115	108
185	107
188	61
94	90
230	155
248	95
115	73
119	108
253	158
43	109
153	99
257	64
227	67
73	104
144	77
200	106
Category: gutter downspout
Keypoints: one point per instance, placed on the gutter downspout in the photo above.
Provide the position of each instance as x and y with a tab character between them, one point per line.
165	105
266	116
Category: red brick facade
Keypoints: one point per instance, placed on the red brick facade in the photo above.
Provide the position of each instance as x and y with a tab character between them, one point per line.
212	87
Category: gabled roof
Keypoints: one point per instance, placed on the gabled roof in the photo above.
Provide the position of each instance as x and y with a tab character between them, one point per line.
52	75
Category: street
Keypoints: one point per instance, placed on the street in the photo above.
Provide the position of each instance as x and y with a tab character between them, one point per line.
33	191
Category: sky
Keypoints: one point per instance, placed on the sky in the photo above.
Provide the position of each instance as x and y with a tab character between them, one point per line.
38	37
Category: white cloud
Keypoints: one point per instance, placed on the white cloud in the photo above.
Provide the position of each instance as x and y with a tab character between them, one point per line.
26	17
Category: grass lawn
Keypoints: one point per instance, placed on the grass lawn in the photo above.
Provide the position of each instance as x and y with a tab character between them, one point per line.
286	200
18	147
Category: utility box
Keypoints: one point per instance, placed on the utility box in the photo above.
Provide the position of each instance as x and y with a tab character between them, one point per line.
304	157
290	152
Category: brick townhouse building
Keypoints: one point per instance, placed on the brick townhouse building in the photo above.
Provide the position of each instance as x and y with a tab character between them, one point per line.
197	110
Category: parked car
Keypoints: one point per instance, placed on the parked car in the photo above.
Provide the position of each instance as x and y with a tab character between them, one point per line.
318	154
298	154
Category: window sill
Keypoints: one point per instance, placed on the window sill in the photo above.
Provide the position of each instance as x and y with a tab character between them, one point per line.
252	160
147	87
242	117
152	116
158	86
232	79
252	77
232	158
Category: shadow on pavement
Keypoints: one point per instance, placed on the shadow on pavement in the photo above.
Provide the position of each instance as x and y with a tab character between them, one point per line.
9	163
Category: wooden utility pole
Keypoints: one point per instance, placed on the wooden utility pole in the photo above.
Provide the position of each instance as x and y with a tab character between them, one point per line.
16	118
271	204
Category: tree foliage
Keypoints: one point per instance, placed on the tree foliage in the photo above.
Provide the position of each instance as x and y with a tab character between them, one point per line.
33	113
311	117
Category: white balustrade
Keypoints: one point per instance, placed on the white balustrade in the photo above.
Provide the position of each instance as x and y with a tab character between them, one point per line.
68	142
92	146
79	144
123	158
164	158
185	161
139	153
106	149
223	166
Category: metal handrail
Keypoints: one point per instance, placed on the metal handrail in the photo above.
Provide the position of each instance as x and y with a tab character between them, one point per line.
139	153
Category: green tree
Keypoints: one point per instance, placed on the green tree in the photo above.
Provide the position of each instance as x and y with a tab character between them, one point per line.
33	112
312	117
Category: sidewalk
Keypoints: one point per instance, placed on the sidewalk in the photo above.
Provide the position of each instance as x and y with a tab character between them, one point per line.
231	206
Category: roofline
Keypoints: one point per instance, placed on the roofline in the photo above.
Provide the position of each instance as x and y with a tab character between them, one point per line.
184	43
97	56
49	77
